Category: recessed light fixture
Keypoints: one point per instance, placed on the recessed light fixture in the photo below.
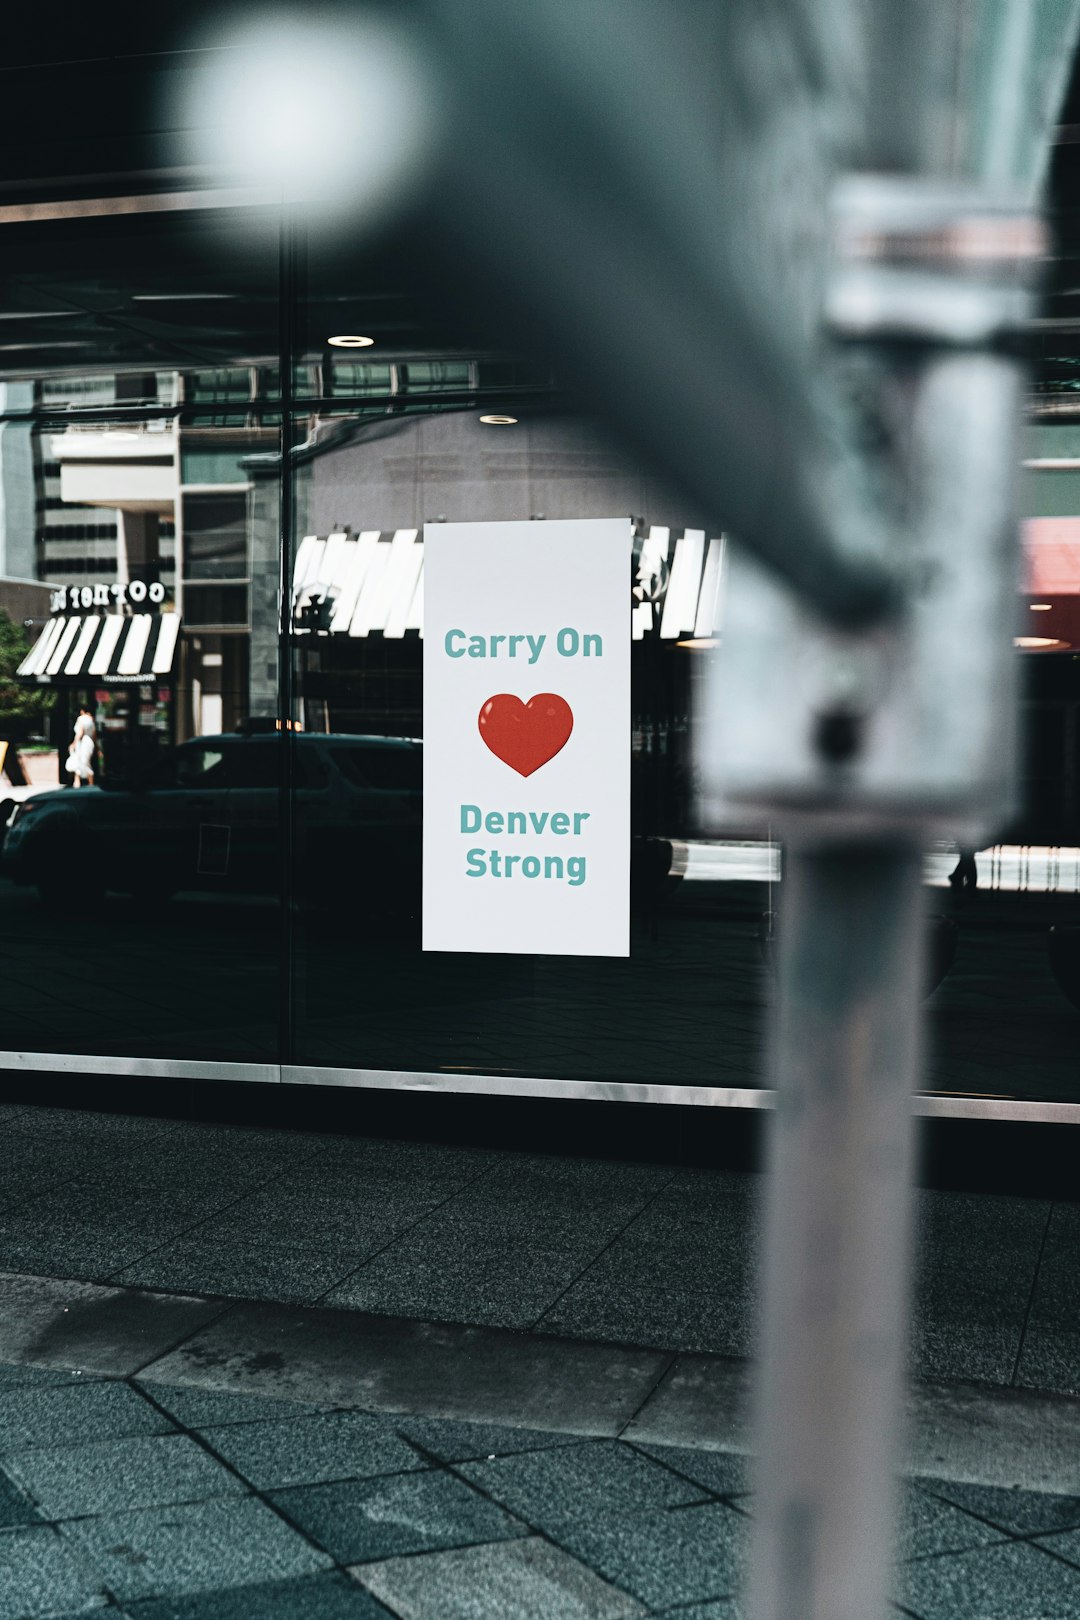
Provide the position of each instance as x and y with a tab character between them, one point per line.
1037	641
349	342
699	643
1040	607
499	421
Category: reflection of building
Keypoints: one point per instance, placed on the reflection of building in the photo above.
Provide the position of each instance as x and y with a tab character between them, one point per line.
176	549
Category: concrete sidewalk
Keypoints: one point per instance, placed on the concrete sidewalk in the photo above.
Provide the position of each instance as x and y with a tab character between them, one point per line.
166	1457
265	1375
628	1253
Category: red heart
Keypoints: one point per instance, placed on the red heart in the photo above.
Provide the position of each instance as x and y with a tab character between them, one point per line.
526	735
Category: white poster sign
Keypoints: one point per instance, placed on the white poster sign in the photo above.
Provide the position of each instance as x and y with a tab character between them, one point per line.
527	737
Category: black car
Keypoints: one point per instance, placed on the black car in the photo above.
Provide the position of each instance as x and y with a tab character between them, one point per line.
226	813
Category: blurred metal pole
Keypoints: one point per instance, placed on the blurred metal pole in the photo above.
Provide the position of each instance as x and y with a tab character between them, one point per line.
844	1064
844	1051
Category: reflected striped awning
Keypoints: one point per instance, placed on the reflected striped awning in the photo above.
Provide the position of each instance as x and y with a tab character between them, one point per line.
353	584
110	648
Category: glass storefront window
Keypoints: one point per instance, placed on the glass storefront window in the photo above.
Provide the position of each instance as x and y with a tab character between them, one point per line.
250	652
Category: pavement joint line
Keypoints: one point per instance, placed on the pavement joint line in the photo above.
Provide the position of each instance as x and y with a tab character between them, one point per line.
661	1375
250	1488
1031	1295
587	1267
227	1306
412	1227
185	1231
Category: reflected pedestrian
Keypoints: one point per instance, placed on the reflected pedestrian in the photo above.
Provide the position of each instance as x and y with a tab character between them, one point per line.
964	877
81	749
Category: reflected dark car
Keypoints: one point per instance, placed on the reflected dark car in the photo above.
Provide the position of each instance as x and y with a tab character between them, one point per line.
209	815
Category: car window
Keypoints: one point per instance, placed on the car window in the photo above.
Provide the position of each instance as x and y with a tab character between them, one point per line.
309	768
396	768
195	766
256	764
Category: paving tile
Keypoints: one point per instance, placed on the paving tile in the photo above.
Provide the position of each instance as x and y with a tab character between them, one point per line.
15	1506
929	1527
296	1218
110	1476
564	1223
1050	1360
725	1473
309	1450
68	1247
434	1275
1051	1353
702	1402
460	1442
599	1306
311	1597
22	1377
247	1266
203	1546
1020	1513
106	1330
542	1487
41	1120
392	1365
1065	1544
362	1520
678	1555
505	1581
1013	1581
40	1574
976	1259
75	1414
196	1408
722	1609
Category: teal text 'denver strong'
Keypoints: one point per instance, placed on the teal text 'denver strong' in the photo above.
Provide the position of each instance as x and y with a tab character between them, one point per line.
571	869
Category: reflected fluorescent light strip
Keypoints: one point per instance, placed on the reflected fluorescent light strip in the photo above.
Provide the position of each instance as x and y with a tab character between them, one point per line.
414	619
362	552
1038	641
180	298
334	560
654	550
367	608
497	420
708	613
405	591
1040	607
680	602
313	557
348	342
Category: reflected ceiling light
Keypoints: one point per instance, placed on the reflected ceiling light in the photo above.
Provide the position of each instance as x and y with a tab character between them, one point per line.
1038	641
178	298
121	433
1040	607
347	342
499	421
698	643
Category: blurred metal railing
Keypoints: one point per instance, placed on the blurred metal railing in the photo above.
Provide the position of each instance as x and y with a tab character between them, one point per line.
785	247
